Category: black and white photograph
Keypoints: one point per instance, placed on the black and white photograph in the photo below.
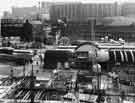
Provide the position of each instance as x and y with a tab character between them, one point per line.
67	51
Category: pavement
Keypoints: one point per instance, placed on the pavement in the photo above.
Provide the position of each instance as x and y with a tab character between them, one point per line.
5	70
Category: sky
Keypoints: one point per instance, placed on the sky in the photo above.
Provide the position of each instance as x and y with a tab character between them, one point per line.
6	5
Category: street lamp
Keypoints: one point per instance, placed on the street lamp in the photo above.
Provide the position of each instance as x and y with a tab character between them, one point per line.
32	85
24	67
97	69
12	74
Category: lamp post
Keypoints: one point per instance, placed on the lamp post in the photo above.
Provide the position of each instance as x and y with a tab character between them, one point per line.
97	69
32	85
12	74
24	68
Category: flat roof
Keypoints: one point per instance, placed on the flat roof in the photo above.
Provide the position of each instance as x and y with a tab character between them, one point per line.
109	45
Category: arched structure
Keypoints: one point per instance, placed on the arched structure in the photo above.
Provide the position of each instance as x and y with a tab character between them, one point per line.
107	55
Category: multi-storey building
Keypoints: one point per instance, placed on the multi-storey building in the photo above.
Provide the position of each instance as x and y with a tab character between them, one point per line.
78	14
82	12
24	12
76	11
128	9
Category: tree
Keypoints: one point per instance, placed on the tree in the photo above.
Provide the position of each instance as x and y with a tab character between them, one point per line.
27	31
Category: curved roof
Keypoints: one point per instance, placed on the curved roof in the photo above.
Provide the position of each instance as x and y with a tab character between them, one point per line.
86	46
122	56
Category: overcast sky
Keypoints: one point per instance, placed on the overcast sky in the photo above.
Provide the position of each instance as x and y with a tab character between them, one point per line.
5	5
